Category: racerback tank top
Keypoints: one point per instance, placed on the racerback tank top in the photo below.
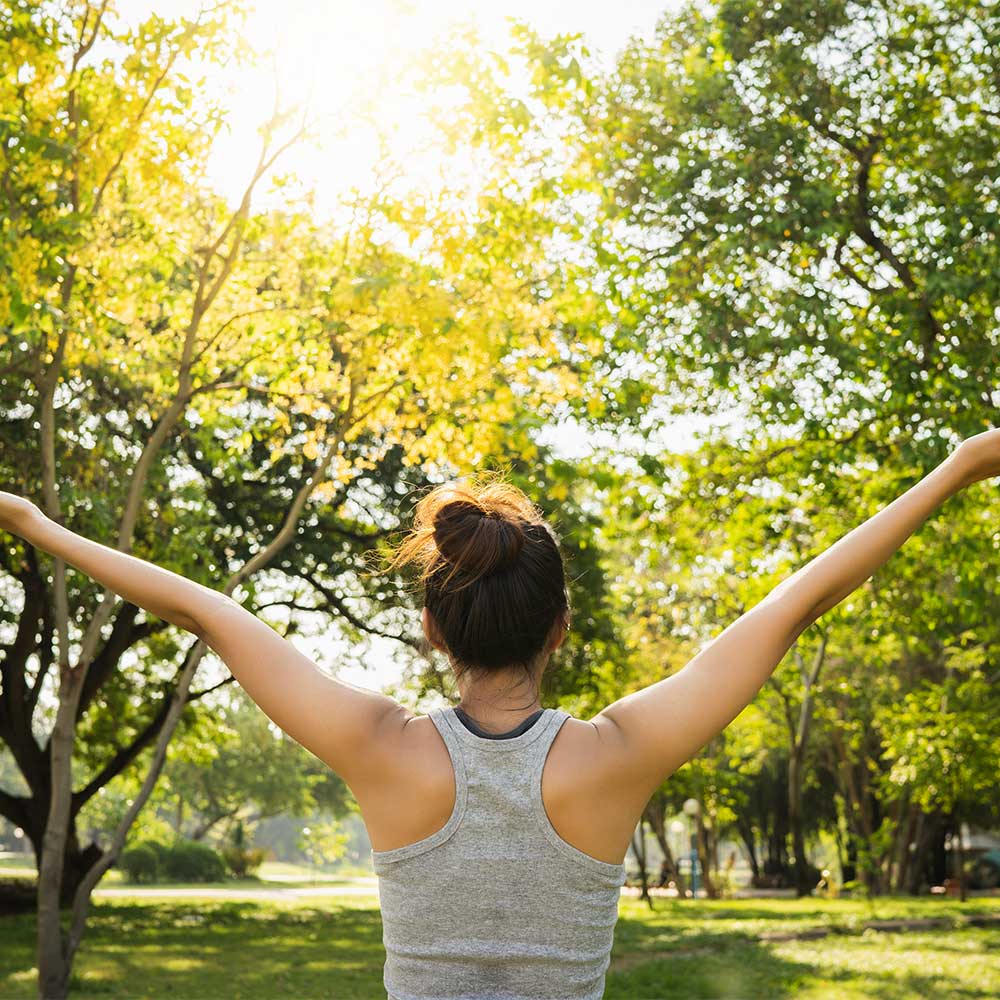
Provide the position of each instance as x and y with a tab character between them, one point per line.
495	905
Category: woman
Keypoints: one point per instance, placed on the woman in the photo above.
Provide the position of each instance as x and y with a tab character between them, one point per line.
499	827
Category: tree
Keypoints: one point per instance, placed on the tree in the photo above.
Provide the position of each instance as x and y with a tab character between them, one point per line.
797	211
237	769
809	194
239	396
943	742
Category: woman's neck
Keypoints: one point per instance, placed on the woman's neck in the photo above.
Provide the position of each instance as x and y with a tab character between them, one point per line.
495	722
498	704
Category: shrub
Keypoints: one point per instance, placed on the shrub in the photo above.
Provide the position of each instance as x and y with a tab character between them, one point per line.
140	863
158	847
243	861
190	861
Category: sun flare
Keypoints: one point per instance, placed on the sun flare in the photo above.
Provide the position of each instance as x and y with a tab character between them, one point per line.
346	64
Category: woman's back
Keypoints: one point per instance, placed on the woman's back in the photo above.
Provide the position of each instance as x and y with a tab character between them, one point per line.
495	903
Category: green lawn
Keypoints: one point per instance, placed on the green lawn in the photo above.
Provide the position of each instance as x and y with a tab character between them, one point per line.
220	949
271	873
712	950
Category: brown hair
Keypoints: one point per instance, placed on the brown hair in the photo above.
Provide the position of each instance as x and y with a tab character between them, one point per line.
491	570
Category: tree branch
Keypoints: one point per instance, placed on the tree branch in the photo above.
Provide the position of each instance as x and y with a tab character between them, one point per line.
357	622
123	757
15	808
125	633
864	216
851	273
195	695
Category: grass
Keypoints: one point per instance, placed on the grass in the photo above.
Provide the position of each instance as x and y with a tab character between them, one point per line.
19	863
195	949
713	950
271	875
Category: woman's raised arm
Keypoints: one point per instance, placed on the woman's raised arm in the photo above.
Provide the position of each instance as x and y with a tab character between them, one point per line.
655	730
338	722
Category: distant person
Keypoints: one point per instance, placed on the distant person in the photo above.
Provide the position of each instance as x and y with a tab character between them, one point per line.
499	827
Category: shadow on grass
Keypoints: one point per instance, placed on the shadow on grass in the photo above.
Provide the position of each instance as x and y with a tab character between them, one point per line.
694	964
200	949
212	950
728	967
745	970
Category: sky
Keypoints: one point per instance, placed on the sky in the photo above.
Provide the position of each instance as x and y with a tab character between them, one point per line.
337	58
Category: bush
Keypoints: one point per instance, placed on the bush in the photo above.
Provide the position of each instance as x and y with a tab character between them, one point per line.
190	861
140	863
243	861
158	847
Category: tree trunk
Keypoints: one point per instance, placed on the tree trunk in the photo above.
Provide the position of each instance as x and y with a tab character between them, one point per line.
803	886
53	963
776	860
655	818
746	833
704	858
960	860
851	862
796	761
75	866
76	860
938	854
712	847
918	873
639	849
838	836
906	836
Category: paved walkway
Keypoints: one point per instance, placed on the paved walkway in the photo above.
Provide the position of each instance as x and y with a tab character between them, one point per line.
276	893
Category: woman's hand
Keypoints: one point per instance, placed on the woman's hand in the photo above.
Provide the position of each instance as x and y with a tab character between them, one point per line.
15	512
979	456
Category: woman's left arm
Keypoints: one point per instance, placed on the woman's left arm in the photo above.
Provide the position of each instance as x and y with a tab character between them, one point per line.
350	728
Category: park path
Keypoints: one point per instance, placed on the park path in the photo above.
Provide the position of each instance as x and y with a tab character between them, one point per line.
276	894
359	887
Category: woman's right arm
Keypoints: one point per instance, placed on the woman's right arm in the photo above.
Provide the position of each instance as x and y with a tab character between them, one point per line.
651	732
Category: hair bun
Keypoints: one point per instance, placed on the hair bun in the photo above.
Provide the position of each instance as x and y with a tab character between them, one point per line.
476	540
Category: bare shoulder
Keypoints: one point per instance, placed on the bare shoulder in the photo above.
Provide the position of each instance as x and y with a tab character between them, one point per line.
597	740
404	748
587	752
411	743
417	735
588	761
584	790
409	791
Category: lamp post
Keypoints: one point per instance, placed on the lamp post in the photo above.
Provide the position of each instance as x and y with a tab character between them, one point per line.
692	808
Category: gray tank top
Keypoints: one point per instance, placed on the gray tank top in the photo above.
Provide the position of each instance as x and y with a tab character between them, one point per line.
495	905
